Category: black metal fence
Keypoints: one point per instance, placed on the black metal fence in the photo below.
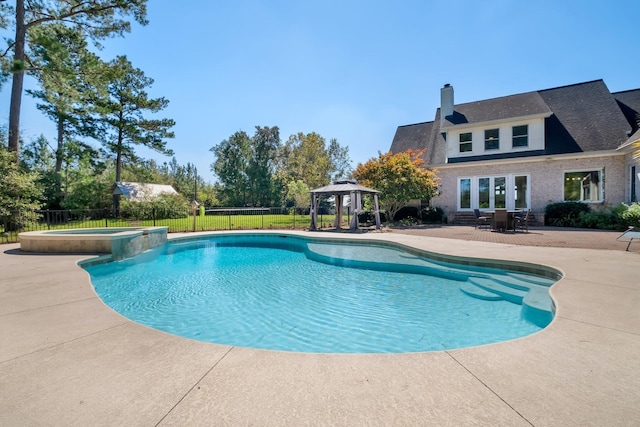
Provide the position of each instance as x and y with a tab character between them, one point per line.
178	220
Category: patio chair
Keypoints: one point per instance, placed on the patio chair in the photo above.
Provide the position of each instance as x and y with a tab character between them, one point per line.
500	220
521	221
631	233
481	221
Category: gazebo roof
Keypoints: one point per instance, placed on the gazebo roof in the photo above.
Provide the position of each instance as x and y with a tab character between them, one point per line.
343	188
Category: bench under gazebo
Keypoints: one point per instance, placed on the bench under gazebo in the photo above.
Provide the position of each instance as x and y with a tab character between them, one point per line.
339	189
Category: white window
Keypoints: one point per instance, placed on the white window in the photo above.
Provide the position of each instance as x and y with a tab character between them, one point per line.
520	136
583	186
492	139
465	142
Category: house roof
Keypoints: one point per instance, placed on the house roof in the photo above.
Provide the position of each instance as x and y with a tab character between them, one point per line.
578	118
506	107
139	191
629	102
590	115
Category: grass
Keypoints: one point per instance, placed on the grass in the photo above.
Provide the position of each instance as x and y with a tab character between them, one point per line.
202	223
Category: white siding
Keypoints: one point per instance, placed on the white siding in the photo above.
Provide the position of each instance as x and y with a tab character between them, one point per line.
536	138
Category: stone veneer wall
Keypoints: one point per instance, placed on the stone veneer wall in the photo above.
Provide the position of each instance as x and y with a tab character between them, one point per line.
125	244
127	247
66	246
547	178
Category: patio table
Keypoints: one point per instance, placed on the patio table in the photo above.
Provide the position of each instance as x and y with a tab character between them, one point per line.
510	218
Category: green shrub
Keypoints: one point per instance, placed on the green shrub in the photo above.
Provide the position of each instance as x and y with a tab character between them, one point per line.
369	217
577	214
599	220
631	215
432	214
406	212
409	220
20	194
565	214
165	206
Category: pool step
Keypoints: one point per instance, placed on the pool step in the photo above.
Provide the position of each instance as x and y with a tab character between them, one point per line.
480	293
506	292
537	280
537	306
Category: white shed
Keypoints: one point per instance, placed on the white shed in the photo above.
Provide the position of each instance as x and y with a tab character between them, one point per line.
139	191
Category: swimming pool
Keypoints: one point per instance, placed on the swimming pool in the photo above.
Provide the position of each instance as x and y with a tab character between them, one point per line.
285	292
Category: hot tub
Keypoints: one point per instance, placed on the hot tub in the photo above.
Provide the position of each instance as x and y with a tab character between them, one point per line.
123	242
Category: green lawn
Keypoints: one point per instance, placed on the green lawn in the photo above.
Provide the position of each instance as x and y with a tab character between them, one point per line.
202	223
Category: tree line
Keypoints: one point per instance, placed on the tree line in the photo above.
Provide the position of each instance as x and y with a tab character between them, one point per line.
86	97
107	101
261	170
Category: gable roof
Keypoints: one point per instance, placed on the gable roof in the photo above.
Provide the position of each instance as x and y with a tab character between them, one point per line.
139	191
578	118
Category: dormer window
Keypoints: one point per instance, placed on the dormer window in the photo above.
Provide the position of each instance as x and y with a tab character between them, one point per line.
520	136
465	142
492	139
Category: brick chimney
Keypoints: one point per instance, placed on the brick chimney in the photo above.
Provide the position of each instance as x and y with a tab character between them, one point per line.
446	102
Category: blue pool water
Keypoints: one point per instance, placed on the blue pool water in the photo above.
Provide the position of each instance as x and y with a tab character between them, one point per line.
287	293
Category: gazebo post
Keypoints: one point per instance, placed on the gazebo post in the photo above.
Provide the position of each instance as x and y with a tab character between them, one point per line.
338	220
377	210
355	208
314	213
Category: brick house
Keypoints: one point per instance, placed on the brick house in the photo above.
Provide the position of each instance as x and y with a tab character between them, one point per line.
524	151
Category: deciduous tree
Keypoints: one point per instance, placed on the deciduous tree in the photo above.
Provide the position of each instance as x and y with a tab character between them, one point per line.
299	192
230	166
399	177
261	165
306	157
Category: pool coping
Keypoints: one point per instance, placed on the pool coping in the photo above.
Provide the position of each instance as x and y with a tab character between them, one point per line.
67	358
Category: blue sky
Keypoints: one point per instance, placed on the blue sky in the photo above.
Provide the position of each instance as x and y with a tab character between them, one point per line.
356	70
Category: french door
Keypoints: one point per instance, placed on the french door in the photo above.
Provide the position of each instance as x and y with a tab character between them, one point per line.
494	192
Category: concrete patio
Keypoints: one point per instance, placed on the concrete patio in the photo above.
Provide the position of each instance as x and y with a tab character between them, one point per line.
67	359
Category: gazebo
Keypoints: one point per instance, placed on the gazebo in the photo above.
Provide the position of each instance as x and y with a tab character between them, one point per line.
339	189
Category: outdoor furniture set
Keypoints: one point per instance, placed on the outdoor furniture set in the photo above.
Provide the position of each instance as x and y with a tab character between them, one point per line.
503	220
